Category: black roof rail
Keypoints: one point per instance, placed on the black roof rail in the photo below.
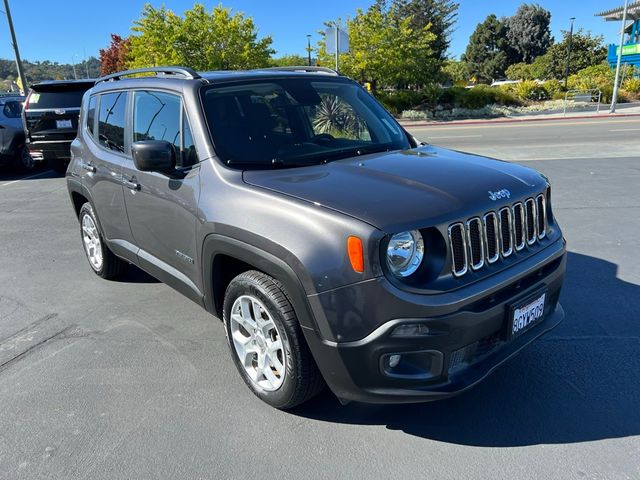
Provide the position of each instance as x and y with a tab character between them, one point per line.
305	69
186	72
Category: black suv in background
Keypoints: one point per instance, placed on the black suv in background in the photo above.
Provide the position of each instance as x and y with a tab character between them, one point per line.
50	118
334	246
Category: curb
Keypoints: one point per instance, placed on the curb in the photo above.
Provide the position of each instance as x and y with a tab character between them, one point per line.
516	120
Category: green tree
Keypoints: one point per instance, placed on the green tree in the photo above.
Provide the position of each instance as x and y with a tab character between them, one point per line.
488	53
456	72
216	40
439	15
528	32
292	60
587	50
385	49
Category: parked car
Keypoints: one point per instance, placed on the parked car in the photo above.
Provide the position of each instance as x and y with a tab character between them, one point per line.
12	148
335	247
50	120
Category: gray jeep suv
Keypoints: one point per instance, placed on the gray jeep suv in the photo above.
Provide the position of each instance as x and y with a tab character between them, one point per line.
335	247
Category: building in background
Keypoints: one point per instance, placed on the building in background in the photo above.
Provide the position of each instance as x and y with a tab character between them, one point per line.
631	46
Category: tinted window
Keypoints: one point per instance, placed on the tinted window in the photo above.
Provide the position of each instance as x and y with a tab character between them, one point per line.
91	114
12	109
67	99
156	116
262	124
111	120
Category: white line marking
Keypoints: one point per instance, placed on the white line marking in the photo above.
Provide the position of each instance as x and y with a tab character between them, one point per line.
625	130
25	178
455	136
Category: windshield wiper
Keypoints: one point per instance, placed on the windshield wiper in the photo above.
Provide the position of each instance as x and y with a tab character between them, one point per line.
326	157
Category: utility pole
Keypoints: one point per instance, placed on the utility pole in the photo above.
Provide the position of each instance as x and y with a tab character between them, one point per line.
309	48
23	79
73	65
337	25
566	72
616	84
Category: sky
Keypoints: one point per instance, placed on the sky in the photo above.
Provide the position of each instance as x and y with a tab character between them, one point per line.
66	31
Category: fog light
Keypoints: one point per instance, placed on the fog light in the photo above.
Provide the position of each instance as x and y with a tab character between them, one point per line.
394	360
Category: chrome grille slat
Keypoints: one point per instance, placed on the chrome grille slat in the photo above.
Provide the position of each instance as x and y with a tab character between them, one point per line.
519	227
506	237
458	245
492	237
541	204
480	241
475	242
531	220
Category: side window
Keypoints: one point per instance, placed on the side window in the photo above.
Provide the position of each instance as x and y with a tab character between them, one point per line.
12	109
156	116
189	156
111	120
91	114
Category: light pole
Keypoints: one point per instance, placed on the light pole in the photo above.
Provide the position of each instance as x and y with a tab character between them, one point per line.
73	64
309	48
23	79
566	72
616	84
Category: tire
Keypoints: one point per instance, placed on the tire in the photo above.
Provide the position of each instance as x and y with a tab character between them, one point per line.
23	161
297	378
101	260
58	166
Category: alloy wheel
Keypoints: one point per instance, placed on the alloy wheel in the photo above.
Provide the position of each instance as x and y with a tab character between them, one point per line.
258	343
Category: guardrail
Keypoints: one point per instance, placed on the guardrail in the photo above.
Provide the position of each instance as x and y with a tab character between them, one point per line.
583	96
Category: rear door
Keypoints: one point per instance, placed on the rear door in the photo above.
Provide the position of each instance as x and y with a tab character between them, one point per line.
162	207
101	155
51	111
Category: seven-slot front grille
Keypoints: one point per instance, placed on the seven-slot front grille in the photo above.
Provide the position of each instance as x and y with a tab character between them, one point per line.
480	241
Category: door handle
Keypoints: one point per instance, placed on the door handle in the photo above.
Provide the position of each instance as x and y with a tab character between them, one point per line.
88	167
131	184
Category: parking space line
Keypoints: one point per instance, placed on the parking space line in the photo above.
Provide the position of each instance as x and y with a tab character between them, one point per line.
35	175
625	130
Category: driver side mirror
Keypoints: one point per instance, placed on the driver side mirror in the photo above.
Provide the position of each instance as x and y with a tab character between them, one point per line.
153	155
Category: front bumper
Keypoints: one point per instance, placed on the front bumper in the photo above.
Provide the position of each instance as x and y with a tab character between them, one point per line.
467	340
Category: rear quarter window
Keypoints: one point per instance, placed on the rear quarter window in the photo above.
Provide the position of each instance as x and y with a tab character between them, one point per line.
91	114
12	109
111	121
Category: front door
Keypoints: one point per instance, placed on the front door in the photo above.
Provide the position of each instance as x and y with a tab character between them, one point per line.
162	207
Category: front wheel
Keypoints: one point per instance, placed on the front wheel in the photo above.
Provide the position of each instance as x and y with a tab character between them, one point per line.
102	261
266	341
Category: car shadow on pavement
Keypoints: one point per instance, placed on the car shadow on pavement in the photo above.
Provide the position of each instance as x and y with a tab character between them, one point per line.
579	383
134	274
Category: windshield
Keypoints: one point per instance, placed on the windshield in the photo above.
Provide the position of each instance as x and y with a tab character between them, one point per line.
296	122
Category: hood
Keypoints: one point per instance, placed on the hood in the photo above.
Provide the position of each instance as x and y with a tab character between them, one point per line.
394	191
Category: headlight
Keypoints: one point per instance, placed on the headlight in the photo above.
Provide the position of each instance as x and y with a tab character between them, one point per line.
405	252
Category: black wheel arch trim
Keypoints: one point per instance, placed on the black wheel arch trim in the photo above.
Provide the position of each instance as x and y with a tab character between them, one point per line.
216	244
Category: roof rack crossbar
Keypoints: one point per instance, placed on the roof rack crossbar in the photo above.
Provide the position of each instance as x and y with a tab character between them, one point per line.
183	71
303	68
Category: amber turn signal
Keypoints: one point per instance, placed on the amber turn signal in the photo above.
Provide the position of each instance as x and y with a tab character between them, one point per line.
356	256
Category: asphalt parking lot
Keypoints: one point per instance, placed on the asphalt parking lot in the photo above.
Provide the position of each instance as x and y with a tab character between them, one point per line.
129	379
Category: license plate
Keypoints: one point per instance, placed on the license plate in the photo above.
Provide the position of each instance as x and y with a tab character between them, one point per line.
526	315
63	124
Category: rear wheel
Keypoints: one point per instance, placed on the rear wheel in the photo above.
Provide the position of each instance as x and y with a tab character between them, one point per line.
23	160
266	341
102	261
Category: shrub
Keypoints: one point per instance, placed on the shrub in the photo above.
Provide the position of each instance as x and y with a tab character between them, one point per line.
399	100
632	85
531	90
